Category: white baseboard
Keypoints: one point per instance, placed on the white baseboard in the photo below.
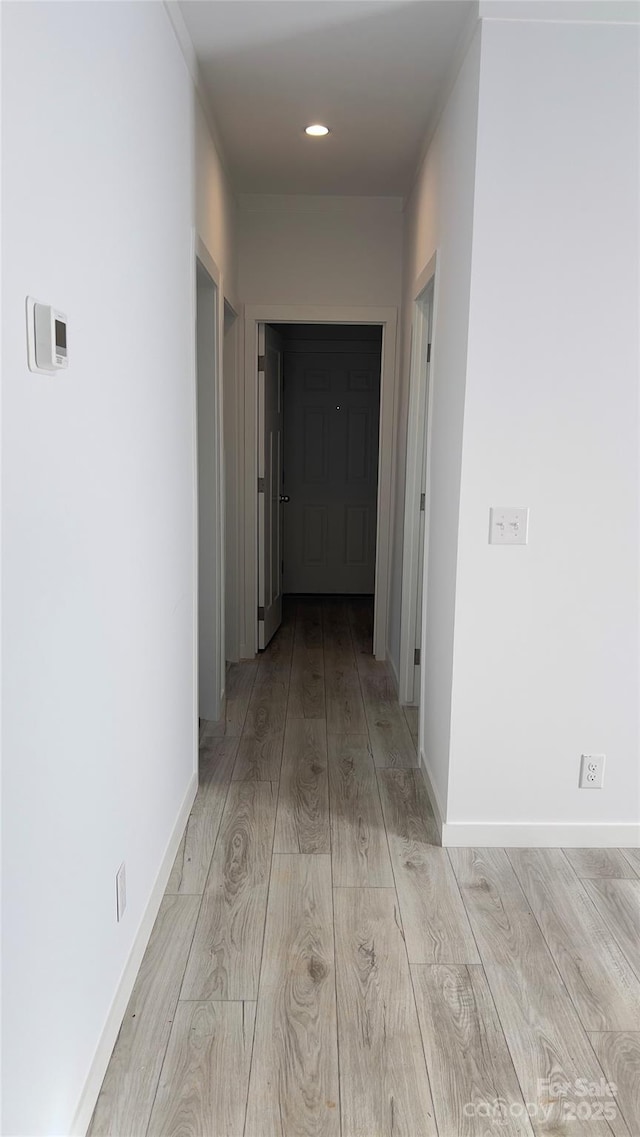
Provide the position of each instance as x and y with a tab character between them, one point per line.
533	835
433	795
540	835
107	1041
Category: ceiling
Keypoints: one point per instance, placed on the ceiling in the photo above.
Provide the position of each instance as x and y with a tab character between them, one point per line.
370	69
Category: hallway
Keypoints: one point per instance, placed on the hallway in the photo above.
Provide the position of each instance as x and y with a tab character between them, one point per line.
320	966
253	929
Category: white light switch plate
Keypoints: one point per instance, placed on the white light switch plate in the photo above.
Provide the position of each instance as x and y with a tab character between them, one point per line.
508	525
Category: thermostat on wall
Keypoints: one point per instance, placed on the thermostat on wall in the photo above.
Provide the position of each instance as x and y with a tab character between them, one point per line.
46	337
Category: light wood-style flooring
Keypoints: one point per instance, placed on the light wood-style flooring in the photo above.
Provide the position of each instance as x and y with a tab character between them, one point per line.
321	967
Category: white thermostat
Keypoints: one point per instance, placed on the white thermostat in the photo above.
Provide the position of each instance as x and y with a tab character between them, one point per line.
46	337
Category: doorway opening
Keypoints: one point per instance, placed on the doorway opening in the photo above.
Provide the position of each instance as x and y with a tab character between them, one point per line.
416	517
262	547
318	455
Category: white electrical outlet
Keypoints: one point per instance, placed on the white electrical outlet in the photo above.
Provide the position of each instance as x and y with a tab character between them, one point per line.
121	891
591	771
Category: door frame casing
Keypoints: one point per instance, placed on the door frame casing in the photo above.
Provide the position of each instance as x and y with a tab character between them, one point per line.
387	318
419	418
269	521
232	403
201	253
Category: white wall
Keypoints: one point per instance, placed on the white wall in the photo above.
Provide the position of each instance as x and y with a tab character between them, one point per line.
546	637
438	217
99	752
325	251
215	204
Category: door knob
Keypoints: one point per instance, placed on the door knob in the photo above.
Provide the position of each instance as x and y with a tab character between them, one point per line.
284	497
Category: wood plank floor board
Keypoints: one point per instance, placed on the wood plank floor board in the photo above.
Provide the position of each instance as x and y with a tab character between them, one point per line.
267	709
273	673
368	665
618	901
468	1060
632	856
390	736
258	759
193	858
279	649
342	660
294	1090
196	1096
306	690
619	1055
600	981
408	812
339	653
340	656
379	676
336	636
335	615
591	864
224	961
345	709
302	823
211	731
126	1098
308	632
383	1077
435	922
544	1034
235	715
359	849
412	716
391	741
361	624
240	680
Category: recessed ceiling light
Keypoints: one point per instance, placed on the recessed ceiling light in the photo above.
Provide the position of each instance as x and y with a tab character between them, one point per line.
317	130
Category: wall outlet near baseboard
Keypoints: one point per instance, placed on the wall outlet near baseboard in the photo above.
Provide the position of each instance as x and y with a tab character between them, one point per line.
591	771
121	891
